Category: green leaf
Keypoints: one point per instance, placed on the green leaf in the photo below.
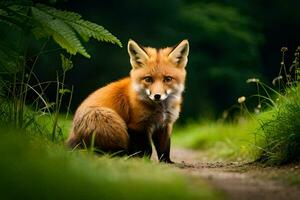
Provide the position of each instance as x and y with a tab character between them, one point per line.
61	32
64	91
88	29
66	63
63	26
85	29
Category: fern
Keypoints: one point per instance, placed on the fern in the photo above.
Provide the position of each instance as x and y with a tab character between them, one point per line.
63	26
60	31
85	29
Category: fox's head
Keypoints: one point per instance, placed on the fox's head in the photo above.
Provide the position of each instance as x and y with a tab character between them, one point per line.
158	74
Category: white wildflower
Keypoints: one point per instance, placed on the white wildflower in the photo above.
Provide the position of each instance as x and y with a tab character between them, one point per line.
241	99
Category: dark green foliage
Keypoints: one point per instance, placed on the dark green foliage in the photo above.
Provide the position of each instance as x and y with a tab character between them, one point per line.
280	134
62	26
23	96
10	58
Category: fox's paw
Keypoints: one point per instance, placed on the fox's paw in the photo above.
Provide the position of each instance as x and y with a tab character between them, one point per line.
167	160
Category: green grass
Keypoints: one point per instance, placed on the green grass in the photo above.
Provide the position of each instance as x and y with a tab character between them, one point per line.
217	140
35	168
280	134
36	122
64	126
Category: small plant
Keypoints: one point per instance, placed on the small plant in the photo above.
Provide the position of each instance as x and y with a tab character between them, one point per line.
61	90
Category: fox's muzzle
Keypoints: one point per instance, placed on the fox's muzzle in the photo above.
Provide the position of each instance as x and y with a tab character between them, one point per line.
158	96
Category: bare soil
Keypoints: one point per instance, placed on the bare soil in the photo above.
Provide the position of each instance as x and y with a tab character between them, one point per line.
239	180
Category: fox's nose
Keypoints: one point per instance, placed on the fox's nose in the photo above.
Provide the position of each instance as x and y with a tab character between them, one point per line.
157	96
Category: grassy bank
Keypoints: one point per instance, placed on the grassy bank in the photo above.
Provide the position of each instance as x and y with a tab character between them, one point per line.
272	137
217	140
34	168
280	134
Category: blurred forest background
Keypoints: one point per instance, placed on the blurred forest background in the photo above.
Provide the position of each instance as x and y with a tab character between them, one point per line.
230	41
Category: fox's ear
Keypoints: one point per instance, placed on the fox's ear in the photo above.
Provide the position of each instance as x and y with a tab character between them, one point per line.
138	56
179	55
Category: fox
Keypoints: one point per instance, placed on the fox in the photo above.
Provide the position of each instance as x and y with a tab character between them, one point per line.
130	114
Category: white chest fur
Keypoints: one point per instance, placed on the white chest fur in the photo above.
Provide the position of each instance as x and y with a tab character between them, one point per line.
162	114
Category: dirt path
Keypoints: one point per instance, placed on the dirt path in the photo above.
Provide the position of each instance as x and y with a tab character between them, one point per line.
237	180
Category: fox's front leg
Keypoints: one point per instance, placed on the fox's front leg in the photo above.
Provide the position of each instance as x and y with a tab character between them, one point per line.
162	142
140	144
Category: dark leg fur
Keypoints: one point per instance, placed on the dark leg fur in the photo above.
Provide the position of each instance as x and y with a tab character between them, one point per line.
140	144
162	143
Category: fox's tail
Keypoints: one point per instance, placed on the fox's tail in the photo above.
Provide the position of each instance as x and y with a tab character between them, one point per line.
100	126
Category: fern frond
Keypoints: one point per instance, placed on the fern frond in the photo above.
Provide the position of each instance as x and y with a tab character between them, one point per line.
90	29
65	15
63	26
66	38
39	32
61	32
85	29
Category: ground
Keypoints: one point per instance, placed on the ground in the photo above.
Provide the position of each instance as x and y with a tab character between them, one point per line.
238	180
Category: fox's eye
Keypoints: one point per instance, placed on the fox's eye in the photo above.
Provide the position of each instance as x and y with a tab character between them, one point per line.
148	79
168	79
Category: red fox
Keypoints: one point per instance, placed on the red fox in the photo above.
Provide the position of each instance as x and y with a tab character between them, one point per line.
128	114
